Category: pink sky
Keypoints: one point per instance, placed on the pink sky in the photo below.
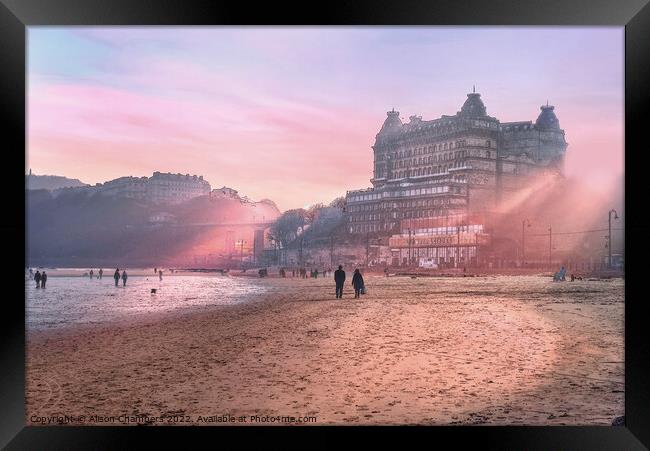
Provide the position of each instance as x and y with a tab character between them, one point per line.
291	114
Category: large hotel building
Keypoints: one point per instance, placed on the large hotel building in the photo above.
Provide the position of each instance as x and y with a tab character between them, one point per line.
436	184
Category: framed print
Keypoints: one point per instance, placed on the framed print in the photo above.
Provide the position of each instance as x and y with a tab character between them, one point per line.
384	215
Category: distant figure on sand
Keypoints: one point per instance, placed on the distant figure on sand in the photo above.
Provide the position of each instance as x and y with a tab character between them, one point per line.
43	279
315	274
386	271
116	276
560	276
101	272
160	274
91	274
155	270
37	278
124	277
31	274
357	283
339	279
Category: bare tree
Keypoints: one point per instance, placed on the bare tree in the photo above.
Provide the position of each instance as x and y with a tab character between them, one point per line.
312	211
285	229
339	202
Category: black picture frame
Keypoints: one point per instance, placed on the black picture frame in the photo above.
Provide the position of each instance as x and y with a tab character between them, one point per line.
634	15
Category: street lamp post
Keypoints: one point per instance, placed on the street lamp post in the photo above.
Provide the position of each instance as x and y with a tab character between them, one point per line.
367	248
241	258
254	249
457	245
275	246
609	237
523	241
409	262
550	241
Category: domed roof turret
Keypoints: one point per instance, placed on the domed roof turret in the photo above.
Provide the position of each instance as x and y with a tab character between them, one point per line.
547	119
392	123
473	106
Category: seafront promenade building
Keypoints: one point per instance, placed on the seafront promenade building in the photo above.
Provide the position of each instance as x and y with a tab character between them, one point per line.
436	184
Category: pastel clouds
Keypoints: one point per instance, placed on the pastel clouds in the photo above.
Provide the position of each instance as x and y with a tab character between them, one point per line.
291	114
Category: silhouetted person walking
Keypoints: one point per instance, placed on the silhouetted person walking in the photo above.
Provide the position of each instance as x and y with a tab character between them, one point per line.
101	272
160	274
339	279
124	277
357	283
43	279
37	278
116	276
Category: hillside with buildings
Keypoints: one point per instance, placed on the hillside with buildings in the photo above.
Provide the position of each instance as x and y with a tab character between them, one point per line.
132	222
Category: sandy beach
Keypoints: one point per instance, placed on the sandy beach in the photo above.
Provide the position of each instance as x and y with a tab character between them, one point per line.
431	351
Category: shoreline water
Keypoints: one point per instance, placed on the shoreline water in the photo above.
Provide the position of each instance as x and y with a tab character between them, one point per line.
69	300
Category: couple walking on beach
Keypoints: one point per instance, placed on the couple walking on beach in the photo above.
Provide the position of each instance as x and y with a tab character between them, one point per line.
116	276
357	282
40	279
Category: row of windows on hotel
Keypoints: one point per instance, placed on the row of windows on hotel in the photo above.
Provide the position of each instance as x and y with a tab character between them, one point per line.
408	192
448	230
435	213
444	127
402	193
359	228
431	170
429	160
398	204
429	149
